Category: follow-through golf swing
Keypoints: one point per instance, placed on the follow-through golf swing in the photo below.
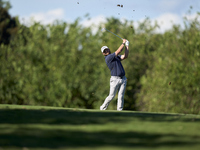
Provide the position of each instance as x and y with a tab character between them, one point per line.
118	79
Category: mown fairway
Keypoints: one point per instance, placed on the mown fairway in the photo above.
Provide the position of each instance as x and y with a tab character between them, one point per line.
34	128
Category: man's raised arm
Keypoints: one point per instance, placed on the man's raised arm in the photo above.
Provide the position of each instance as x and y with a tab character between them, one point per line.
126	51
119	50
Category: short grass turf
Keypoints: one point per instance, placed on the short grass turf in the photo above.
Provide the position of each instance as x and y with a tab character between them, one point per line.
46	128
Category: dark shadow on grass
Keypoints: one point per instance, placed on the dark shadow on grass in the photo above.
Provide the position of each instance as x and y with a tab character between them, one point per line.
77	117
33	137
37	138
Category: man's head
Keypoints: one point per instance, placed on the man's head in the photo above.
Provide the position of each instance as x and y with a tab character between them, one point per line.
105	50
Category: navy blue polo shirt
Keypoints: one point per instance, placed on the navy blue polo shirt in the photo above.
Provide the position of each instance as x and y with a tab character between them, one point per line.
114	64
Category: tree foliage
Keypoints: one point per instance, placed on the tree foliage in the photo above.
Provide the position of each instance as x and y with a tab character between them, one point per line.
172	83
61	64
8	24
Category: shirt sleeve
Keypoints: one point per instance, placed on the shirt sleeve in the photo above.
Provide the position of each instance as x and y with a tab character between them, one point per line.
119	56
110	57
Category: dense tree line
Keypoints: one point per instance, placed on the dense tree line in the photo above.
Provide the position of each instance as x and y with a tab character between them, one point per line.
8	24
61	64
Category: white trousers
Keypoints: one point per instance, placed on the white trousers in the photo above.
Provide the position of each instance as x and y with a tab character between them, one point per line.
116	84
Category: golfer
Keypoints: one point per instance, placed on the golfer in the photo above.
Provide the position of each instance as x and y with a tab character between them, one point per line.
118	80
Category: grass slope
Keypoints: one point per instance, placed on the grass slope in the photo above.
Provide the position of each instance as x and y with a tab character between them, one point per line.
44	128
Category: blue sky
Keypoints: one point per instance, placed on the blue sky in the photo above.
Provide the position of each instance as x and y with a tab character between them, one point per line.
46	11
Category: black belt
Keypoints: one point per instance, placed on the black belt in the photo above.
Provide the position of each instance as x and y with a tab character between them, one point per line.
119	77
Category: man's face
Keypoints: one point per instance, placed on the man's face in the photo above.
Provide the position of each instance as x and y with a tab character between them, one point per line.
106	52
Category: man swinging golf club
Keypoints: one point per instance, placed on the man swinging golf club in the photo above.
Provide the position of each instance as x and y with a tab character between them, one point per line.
118	80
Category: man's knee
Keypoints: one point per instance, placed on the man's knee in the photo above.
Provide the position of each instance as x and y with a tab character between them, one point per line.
120	96
111	97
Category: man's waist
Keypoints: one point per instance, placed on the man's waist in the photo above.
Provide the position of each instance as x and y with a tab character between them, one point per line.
118	77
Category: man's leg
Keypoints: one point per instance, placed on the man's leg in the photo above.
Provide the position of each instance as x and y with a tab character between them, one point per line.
114	85
120	101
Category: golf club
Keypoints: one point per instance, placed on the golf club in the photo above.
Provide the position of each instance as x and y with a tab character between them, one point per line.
103	29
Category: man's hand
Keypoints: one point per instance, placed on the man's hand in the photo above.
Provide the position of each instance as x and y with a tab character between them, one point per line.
124	40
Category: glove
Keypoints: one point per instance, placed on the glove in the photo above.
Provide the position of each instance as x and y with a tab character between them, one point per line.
127	43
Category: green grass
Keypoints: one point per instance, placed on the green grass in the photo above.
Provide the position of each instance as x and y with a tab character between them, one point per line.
44	128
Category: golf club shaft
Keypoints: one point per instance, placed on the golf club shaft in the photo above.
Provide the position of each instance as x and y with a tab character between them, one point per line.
113	33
